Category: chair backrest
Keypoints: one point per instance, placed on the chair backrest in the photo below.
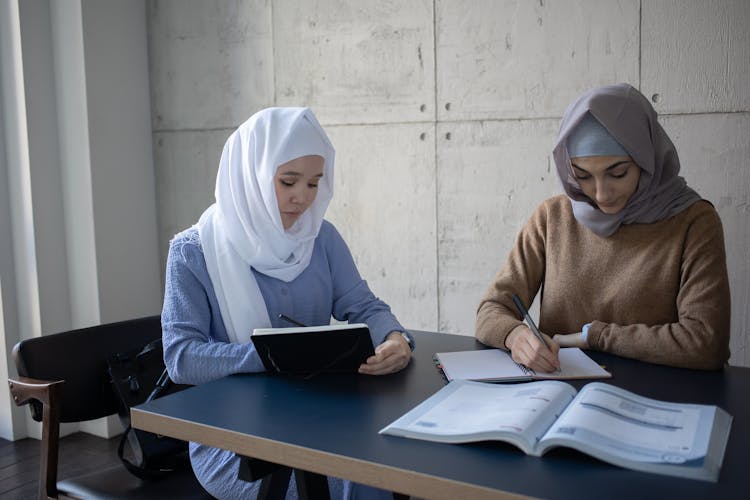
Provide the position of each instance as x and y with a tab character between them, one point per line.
80	358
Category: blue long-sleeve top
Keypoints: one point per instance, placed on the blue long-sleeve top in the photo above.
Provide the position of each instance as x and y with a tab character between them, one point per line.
196	346
197	349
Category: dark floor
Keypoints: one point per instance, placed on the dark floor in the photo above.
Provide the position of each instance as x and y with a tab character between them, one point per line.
79	453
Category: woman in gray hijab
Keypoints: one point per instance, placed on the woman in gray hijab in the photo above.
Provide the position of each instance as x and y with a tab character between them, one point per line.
630	260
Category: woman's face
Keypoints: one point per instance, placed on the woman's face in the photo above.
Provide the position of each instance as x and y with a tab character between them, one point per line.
609	181
296	184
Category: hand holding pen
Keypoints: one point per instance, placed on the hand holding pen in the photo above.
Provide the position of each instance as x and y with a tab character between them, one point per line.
529	346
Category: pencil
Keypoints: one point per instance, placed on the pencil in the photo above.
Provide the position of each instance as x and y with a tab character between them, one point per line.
290	320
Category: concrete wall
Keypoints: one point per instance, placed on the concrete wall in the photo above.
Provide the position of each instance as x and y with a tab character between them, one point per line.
77	199
443	114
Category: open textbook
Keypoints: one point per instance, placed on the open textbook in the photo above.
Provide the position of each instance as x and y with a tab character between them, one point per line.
602	420
495	365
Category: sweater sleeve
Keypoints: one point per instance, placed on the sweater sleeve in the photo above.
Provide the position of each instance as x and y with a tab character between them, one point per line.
192	352
352	299
700	337
521	274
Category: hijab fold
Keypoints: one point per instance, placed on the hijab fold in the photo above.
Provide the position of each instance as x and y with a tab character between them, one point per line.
628	116
243	228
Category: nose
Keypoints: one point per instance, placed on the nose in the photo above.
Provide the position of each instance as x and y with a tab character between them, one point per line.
299	196
603	191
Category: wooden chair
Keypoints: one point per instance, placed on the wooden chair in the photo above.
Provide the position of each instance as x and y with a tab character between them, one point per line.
64	378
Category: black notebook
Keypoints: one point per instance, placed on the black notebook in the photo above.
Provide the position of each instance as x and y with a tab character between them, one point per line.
310	350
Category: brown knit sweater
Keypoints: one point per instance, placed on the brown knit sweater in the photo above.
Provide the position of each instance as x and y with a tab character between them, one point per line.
655	292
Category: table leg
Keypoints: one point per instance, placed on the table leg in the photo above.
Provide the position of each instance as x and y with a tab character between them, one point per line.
274	486
274	477
311	486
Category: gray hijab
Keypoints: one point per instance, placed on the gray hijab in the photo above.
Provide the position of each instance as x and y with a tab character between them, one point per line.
631	120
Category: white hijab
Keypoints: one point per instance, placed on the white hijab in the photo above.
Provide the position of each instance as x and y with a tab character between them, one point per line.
243	228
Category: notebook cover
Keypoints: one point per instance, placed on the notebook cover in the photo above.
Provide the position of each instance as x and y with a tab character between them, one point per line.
312	352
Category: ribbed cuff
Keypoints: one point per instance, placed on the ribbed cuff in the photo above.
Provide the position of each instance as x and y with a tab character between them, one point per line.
585	332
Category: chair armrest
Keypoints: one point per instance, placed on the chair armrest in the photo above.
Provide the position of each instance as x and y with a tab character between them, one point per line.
24	389
49	393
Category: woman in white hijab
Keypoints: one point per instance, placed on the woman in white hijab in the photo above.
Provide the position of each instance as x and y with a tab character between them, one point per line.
263	249
630	260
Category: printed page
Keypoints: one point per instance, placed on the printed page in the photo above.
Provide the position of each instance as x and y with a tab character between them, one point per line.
465	411
610	423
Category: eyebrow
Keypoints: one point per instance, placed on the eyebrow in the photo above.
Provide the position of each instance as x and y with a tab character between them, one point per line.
297	174
616	164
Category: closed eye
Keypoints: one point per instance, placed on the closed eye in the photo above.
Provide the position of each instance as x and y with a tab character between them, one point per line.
580	173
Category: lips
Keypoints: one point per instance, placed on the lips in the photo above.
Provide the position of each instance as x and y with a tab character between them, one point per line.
608	207
609	204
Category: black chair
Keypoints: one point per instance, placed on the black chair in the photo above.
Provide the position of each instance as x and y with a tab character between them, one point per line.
64	378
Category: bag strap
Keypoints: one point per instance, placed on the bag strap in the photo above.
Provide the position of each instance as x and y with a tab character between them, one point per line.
161	385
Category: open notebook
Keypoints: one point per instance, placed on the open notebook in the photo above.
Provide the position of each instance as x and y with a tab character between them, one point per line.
495	365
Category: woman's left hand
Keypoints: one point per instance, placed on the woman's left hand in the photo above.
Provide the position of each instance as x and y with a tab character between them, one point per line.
390	356
571	340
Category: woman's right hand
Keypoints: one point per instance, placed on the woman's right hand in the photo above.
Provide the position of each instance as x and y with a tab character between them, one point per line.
528	350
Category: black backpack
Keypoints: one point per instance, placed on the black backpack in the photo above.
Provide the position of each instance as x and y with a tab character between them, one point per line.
140	376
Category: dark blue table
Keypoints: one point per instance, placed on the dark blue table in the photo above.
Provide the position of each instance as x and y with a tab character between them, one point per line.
329	425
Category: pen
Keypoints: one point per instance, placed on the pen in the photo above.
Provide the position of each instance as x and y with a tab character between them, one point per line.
290	320
529	321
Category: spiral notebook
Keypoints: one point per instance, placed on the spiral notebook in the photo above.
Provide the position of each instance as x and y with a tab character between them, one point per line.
495	365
